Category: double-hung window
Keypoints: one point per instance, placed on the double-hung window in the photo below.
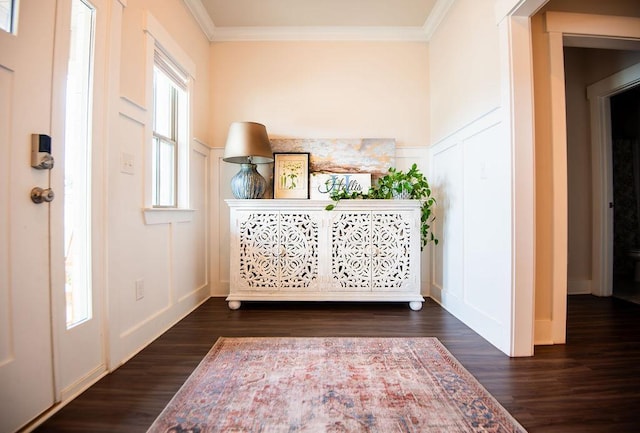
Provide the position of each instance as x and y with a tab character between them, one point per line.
171	75
170	119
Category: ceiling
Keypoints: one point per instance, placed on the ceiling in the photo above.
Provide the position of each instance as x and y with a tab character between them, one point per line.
326	13
318	19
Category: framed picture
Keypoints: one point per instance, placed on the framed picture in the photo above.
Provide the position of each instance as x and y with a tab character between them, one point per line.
291	175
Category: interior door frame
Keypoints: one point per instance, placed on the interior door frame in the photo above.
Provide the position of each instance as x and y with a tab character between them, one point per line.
599	95
590	30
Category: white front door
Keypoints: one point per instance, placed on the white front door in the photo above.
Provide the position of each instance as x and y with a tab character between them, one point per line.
26	355
43	359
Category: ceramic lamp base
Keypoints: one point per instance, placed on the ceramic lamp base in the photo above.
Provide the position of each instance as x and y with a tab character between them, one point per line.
248	183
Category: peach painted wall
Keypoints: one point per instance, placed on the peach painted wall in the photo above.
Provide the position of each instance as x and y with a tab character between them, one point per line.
464	67
169	258
180	24
471	159
322	89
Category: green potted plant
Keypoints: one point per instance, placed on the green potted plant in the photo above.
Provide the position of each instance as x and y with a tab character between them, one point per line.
397	184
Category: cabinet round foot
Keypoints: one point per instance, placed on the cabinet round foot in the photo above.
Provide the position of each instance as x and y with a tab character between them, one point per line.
415	305
234	305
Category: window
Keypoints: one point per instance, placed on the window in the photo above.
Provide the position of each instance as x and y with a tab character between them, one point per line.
169	131
7	15
170	78
77	165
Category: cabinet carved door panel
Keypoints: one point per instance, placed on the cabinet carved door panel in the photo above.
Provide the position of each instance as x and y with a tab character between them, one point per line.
258	236
371	251
298	257
278	251
391	241
351	251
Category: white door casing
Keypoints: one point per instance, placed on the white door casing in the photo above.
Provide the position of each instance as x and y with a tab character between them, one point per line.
590	29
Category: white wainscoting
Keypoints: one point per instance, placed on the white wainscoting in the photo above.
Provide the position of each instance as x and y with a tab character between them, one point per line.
6	345
471	268
220	242
171	259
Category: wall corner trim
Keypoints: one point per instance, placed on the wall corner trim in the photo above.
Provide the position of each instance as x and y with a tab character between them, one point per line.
436	16
201	16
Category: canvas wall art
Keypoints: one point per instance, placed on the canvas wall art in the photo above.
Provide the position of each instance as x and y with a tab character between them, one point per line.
361	155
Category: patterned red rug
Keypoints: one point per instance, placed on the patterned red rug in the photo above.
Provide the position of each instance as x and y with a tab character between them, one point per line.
332	385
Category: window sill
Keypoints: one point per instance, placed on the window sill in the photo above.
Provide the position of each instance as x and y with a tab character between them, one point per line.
167	216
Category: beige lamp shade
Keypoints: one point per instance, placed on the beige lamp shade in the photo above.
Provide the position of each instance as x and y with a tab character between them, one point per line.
248	142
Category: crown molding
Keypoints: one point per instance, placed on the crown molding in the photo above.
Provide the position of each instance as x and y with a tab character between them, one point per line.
318	34
201	15
223	34
523	8
436	16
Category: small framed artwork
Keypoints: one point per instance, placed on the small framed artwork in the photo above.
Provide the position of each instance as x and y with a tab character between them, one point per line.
291	175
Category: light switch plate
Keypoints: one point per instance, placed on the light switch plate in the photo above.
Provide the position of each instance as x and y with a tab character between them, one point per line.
127	163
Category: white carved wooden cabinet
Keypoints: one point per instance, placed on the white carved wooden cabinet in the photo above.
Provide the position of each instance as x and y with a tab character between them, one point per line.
295	250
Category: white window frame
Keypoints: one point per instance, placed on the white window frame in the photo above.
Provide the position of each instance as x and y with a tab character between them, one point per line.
160	43
13	16
178	135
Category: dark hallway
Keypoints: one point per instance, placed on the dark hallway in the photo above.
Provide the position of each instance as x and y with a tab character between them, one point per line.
625	126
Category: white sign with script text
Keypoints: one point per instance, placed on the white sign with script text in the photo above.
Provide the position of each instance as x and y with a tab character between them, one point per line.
324	184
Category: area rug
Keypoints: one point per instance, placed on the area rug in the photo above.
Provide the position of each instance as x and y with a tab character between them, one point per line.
287	385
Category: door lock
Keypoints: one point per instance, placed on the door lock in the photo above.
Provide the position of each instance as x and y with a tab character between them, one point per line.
41	152
38	195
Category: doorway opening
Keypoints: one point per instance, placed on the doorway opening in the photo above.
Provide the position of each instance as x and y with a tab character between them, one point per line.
601	95
625	152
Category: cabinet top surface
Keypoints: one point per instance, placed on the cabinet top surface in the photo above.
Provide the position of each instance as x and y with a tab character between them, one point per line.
360	204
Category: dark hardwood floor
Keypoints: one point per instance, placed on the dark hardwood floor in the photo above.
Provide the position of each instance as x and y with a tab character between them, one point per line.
591	384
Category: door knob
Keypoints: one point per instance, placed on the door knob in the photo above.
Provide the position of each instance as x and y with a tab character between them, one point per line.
38	195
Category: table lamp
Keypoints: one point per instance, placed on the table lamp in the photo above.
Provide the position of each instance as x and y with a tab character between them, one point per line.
248	144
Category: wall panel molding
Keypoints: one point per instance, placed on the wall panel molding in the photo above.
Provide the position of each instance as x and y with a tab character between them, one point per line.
6	119
132	110
219	223
471	177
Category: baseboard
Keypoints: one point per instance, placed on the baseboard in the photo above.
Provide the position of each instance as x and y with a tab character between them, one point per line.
139	336
67	396
220	290
579	287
